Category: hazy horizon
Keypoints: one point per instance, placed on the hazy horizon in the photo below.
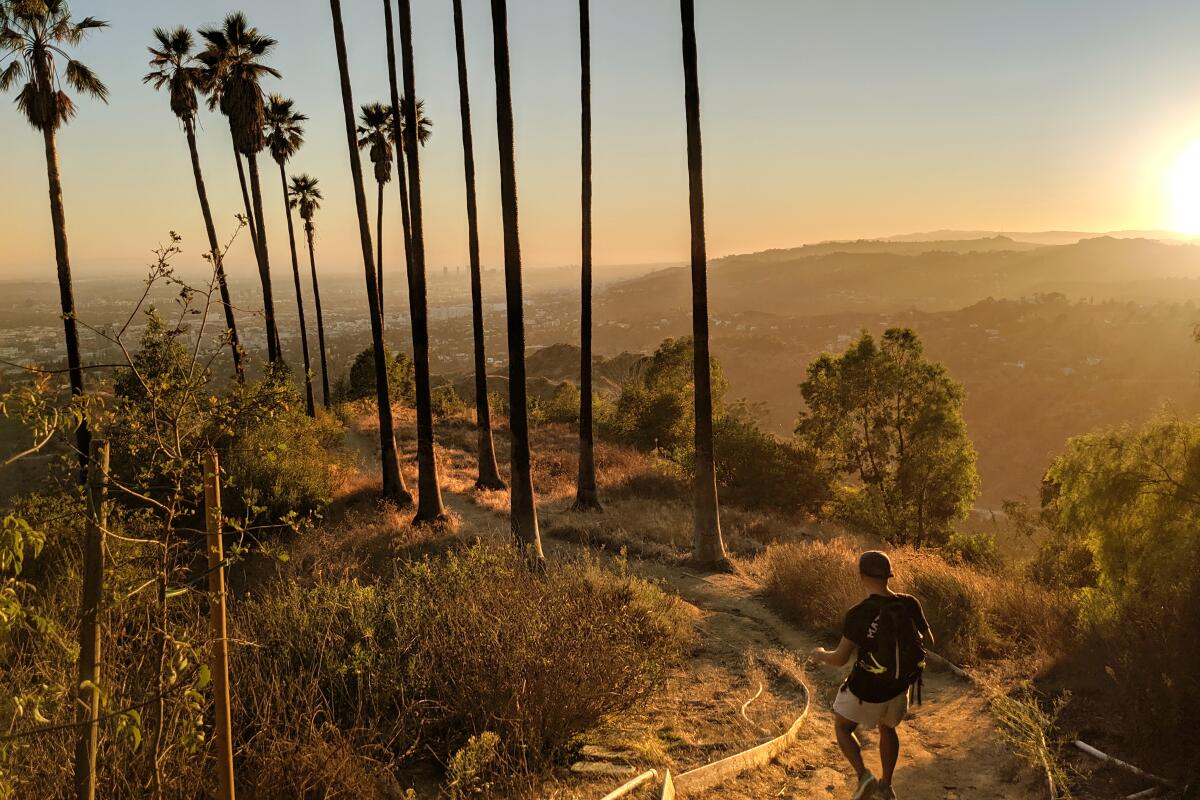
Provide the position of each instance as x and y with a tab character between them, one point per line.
819	123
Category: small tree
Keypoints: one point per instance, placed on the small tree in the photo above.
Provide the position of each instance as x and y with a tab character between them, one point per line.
359	382
891	418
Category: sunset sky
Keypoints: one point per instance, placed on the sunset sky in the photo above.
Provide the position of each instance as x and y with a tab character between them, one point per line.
821	120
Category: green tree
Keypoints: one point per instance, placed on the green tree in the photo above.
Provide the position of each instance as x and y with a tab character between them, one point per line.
34	35
655	409
1129	499
359	382
174	66
488	472
232	59
305	196
891	418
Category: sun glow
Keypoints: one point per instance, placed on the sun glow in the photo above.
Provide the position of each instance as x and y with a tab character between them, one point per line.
1185	190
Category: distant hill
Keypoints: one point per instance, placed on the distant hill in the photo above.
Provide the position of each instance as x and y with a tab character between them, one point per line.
1041	237
872	278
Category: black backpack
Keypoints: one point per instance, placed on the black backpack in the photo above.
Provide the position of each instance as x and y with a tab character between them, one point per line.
892	659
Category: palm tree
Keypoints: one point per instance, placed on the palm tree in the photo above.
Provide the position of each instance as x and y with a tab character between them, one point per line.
233	60
489	473
586	496
523	511
429	493
375	136
393	482
285	135
708	548
398	123
173	66
34	35
306	198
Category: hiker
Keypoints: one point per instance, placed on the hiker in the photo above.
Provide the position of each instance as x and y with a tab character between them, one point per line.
889	634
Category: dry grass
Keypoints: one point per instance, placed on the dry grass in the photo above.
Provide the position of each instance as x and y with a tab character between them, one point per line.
975	616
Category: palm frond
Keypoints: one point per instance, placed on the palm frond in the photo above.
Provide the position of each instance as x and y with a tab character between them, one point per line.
81	78
14	72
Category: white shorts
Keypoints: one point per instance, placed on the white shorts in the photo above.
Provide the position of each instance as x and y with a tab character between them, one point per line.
868	715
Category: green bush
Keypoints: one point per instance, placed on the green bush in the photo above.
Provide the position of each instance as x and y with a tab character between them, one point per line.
759	469
563	405
977	549
359	382
1123	506
445	401
472	644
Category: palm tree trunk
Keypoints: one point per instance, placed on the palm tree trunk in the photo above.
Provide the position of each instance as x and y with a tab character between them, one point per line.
429	492
586	496
252	225
312	264
489	472
264	265
309	405
379	254
401	174
708	548
393	481
189	127
66	295
523	513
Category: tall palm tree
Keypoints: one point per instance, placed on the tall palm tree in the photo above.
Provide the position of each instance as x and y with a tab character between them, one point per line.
489	473
708	548
523	511
393	482
34	35
429	493
304	196
173	66
586	496
233	60
285	136
375	136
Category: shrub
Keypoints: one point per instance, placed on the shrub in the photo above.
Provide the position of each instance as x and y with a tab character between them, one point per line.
359	382
977	549
468	645
445	401
760	470
563	405
973	615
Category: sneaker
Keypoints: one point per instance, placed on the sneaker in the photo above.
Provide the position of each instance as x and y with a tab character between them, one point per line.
886	792
866	786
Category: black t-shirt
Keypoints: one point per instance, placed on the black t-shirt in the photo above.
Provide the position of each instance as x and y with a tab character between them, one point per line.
859	619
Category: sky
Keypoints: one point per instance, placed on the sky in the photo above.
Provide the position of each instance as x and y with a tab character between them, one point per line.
821	120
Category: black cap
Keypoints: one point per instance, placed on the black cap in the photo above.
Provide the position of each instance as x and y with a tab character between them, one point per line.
875	564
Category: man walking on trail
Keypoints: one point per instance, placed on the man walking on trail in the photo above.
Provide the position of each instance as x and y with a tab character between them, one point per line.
887	635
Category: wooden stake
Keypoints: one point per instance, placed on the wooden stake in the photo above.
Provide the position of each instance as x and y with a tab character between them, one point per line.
219	655
88	688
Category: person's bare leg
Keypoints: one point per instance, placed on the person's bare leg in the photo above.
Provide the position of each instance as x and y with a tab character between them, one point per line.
889	752
849	743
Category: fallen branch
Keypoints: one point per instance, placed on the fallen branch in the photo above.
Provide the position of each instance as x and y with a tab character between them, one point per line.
1116	762
621	791
1145	794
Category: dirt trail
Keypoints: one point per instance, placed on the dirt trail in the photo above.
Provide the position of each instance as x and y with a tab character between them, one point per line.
950	747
